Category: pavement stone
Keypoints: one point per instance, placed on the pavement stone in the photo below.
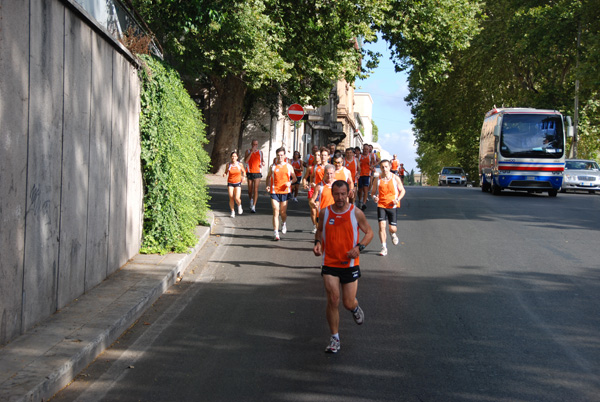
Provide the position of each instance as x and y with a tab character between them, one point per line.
39	363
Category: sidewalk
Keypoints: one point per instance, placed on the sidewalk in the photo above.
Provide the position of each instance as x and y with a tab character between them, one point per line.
45	359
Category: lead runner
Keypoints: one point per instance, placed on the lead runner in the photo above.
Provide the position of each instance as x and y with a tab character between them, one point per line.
337	241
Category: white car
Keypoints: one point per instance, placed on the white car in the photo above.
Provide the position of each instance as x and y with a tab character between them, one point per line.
582	175
452	176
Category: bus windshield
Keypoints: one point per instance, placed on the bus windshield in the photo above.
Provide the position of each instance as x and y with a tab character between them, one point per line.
532	136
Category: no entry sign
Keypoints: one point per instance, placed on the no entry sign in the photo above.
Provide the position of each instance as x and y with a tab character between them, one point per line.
295	112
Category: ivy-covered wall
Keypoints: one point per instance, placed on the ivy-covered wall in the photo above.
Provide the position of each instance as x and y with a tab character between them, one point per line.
173	161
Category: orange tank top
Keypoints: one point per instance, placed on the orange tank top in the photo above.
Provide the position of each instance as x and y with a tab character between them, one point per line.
340	235
326	196
319	173
343	174
281	178
388	193
297	165
395	164
352	166
254	161
365	165
235	173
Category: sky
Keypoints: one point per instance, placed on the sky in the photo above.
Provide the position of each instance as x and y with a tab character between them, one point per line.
391	114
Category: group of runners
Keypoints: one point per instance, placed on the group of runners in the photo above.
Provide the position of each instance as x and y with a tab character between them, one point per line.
338	184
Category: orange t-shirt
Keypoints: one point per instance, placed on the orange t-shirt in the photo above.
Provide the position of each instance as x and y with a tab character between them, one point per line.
254	161
340	235
365	165
281	178
235	172
388	193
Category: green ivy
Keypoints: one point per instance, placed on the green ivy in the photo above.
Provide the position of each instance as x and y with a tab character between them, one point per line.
174	162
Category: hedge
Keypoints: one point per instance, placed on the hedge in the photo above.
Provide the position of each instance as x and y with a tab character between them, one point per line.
174	162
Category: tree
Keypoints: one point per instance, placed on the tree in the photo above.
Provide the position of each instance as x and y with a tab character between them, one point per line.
296	49
524	54
375	131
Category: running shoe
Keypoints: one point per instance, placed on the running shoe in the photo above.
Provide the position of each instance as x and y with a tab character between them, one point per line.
253	209
314	230
334	345
232	214
383	251
358	315
276	236
364	207
240	210
395	239
283	228
295	199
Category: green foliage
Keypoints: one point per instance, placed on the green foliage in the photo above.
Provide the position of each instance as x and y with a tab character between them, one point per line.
375	131
173	161
523	55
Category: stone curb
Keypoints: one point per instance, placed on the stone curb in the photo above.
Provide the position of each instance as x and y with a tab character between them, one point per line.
47	358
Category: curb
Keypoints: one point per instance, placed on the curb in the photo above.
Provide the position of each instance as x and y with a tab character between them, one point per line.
41	362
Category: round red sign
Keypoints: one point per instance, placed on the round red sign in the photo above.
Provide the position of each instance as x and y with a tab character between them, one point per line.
295	112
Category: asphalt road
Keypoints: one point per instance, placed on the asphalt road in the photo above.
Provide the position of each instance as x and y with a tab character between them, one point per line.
485	299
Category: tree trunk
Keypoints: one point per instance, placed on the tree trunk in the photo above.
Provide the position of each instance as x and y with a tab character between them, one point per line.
231	91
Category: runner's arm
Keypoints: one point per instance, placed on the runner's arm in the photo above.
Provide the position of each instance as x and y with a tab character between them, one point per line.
363	224
318	248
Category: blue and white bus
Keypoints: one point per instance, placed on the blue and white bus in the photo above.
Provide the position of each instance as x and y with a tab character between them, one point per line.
523	149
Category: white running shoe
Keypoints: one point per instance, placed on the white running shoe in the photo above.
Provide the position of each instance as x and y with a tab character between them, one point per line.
240	210
314	230
232	214
295	199
276	236
383	251
359	315
253	209
395	240
284	228
334	345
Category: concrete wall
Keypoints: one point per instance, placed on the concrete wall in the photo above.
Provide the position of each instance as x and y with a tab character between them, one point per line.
70	176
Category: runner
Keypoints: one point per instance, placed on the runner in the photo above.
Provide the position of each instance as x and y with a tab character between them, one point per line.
297	165
322	197
254	164
365	163
235	173
387	193
320	168
394	165
279	180
308	185
342	173
401	172
337	242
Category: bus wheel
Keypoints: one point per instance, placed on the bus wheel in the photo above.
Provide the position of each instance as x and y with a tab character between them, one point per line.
552	193
485	186
496	190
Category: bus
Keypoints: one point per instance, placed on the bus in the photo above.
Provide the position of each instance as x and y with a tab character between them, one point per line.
523	149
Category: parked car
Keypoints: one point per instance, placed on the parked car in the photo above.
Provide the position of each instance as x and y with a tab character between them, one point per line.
452	176
581	174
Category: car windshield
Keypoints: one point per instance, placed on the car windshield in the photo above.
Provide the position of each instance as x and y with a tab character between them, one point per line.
452	171
532	136
581	165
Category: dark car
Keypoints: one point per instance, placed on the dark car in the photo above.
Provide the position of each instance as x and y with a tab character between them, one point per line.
452	176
